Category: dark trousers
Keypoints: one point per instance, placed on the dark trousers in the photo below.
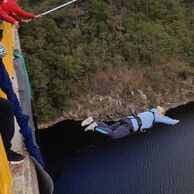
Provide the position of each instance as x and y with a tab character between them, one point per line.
117	130
6	122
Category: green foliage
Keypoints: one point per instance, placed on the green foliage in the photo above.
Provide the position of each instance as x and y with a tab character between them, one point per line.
63	47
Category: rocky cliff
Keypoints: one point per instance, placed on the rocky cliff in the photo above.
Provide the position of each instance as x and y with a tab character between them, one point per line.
121	90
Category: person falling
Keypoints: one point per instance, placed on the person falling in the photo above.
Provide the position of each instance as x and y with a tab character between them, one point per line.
130	124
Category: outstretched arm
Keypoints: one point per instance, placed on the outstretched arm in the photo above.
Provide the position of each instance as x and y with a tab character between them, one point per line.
15	16
4	16
20	12
166	120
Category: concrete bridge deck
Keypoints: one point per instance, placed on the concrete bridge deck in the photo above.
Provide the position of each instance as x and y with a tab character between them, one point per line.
24	175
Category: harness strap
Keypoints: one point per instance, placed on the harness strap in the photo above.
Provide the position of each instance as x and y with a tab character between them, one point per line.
138	121
154	116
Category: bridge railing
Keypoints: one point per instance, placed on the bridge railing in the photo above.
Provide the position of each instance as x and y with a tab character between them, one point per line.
5	172
6	181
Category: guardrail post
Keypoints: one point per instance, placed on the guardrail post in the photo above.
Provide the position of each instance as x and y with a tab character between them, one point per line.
5	172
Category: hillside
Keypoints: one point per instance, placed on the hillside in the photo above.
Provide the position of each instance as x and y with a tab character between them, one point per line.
102	57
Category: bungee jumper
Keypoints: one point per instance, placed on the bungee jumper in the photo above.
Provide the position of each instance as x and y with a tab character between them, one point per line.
130	124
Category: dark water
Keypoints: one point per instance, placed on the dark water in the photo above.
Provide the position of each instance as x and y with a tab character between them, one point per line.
158	161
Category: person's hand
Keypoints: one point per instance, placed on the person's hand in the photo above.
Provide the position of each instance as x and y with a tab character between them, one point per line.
38	16
17	26
177	121
25	21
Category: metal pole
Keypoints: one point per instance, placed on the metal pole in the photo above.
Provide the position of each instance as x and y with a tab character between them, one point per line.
65	4
56	8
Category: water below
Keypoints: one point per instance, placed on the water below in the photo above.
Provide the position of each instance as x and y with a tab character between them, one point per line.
160	161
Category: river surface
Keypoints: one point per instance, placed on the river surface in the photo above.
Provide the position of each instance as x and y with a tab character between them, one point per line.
160	161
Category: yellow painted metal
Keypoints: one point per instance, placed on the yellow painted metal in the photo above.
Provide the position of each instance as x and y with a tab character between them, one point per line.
3	95
5	172
6	181
8	42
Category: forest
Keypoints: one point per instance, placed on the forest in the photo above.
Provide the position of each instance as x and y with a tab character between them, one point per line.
65	49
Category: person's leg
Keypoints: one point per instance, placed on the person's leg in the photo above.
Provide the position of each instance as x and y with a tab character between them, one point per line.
119	132
6	122
93	125
104	129
7	130
102	124
115	125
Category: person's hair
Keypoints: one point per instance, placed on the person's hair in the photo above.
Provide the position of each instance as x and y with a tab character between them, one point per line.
161	110
1	33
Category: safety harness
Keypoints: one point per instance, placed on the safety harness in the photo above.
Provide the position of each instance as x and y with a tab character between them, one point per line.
154	117
140	122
